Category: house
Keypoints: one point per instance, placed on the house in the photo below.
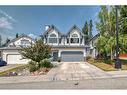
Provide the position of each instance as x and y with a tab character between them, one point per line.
11	54
69	47
92	50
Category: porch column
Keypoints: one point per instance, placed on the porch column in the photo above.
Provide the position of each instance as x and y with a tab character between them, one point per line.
58	40
85	55
69	40
59	54
79	41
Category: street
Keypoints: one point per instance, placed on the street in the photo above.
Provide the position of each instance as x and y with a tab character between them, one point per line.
106	83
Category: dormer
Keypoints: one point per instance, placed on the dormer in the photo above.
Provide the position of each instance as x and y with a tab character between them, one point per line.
75	36
52	36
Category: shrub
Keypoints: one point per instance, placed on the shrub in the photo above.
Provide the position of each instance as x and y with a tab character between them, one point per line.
59	60
36	52
33	66
45	63
88	57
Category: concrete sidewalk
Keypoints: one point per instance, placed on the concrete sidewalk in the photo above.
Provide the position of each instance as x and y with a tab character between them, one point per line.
40	78
122	73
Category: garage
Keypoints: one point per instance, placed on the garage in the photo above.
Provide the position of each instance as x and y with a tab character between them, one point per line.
16	59
72	56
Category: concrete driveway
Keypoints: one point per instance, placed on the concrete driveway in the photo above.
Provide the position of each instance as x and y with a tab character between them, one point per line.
76	71
9	66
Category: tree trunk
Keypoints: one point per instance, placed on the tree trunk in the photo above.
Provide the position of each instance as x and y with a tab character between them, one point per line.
111	54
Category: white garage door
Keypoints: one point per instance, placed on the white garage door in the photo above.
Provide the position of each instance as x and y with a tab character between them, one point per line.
16	59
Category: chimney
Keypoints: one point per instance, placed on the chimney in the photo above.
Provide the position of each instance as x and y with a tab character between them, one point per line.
47	27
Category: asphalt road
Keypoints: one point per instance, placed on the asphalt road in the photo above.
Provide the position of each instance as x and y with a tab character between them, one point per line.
113	83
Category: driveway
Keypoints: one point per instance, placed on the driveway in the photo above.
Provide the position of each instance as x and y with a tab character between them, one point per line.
76	71
9	66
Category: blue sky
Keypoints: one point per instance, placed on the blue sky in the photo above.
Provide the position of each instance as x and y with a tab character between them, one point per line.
31	19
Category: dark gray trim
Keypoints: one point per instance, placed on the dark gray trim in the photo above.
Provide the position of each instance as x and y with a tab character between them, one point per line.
75	27
51	28
70	46
11	48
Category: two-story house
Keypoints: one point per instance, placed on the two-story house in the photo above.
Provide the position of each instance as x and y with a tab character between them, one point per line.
68	47
11	54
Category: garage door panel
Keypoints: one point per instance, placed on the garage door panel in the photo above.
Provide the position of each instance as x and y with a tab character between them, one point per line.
16	59
72	56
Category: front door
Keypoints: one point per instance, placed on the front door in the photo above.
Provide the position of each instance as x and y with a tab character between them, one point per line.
55	56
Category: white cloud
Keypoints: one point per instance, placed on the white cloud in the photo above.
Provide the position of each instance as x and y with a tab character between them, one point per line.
32	36
5	24
8	16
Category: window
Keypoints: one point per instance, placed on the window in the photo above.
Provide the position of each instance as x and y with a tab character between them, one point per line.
52	35
67	40
52	38
75	35
74	38
25	43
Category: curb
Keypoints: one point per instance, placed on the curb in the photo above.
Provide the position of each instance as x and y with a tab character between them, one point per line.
24	79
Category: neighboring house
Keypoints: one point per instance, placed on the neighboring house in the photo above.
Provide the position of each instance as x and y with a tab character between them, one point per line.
11	54
68	47
92	50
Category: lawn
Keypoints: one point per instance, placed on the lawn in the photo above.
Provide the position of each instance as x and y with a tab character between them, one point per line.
16	69
104	66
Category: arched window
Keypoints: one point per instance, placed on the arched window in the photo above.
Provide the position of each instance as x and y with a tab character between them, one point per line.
74	36
52	35
25	43
52	38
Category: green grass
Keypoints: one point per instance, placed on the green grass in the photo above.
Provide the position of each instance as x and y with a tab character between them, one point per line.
104	66
18	68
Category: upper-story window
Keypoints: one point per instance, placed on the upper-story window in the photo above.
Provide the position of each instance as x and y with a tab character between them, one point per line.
74	38
52	38
25	43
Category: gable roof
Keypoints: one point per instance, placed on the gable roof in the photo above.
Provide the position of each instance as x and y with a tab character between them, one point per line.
51	28
75	27
21	36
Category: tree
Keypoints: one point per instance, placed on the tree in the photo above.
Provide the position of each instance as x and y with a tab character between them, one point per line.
90	29
110	46
123	43
102	25
17	35
85	31
107	29
123	18
37	52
